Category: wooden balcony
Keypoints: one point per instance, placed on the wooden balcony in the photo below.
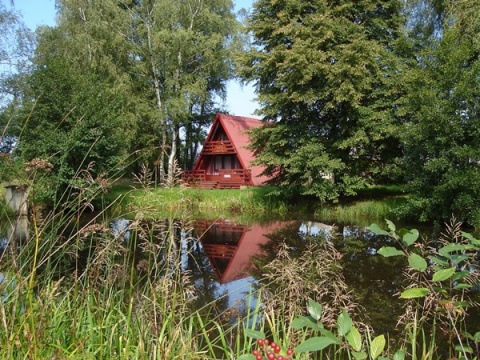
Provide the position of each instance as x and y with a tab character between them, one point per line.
223	179
218	147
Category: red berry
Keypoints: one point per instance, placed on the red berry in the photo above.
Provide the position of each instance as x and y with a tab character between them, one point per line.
259	357
271	356
277	349
289	352
255	352
260	342
280	357
273	345
266	341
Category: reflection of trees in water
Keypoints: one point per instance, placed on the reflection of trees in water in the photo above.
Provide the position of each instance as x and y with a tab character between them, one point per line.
203	275
170	246
337	267
375	280
296	267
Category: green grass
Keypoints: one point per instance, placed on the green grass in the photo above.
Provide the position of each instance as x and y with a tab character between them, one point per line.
132	301
253	203
361	212
245	204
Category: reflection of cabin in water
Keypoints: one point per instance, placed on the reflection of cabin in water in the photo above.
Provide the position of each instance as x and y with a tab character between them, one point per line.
229	246
224	161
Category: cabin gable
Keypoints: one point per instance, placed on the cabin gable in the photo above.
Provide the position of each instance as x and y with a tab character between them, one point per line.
225	160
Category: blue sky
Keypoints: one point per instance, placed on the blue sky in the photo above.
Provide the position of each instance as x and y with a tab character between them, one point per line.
240	99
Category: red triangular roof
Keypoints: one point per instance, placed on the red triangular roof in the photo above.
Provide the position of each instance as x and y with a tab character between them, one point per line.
250	244
236	128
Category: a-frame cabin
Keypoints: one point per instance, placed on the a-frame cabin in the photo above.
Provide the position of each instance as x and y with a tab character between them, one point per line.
225	161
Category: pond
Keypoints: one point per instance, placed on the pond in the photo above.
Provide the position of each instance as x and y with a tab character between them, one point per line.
226	249
226	259
231	258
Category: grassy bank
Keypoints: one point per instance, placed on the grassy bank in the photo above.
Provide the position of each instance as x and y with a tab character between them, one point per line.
252	203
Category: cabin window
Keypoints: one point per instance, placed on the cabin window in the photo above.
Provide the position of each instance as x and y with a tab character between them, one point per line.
218	164
228	163
235	163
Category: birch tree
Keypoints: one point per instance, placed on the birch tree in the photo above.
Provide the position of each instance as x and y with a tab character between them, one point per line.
182	51
164	62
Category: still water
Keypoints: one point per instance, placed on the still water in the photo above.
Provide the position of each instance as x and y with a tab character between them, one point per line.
226	250
218	254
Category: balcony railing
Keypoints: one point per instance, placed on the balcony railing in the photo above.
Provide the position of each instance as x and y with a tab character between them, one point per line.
221	179
218	147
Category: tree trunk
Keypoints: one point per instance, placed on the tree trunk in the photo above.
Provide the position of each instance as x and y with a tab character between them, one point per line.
160	170
171	159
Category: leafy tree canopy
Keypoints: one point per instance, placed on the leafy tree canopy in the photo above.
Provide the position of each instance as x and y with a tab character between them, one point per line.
324	72
441	108
72	121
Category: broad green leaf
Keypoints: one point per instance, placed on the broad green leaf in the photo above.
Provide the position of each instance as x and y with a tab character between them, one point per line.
438	260
377	230
459	275
376	347
463	304
402	232
314	344
391	225
247	357
458	258
255	334
399	355
314	309
344	323
462	286
447	249
439	290
417	262
460	348
383	358
410	237
330	335
303	321
471	238
387	251
359	355
414	293
354	339
476	337
442	275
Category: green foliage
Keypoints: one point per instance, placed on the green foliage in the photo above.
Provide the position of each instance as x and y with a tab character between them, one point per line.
72	122
436	298
343	340
441	134
125	78
348	337
442	277
324	74
16	49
